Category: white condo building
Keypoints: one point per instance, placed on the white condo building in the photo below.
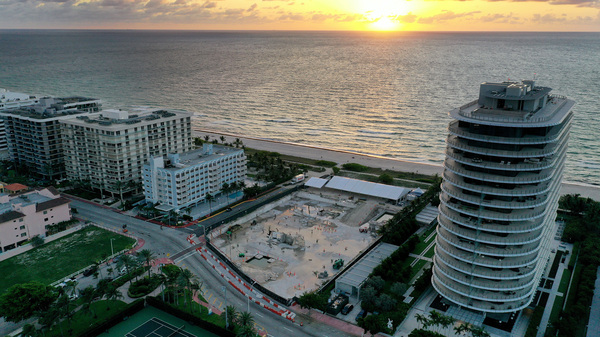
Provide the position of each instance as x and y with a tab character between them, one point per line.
12	100
185	179
109	149
504	161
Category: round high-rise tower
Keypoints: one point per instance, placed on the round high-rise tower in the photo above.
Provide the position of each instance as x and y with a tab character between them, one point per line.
502	174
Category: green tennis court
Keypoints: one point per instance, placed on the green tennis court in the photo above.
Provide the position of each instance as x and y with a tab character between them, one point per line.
152	322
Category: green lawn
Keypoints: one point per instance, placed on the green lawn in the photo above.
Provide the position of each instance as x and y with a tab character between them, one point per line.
417	267
57	259
428	232
81	321
564	281
430	252
556	309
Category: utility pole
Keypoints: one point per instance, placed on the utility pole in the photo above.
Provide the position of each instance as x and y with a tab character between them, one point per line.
224	289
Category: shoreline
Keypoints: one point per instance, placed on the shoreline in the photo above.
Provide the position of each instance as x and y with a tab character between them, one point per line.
316	152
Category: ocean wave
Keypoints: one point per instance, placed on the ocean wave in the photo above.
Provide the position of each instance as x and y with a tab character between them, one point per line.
377	132
280	120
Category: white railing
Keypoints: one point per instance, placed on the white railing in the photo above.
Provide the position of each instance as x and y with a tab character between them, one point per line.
481	249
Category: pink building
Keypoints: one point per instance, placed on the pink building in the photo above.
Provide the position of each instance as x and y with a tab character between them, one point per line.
26	215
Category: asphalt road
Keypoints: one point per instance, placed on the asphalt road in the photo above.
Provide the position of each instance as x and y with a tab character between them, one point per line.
167	242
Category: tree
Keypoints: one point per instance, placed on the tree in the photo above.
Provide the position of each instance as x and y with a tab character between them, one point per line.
88	295
422	320
386	303
119	184
246	331
112	293
22	301
335	170
126	261
386	179
147	255
312	300
368	296
399	288
374	324
184	280
223	139
463	328
479	331
37	241
230	314
245	318
376	282
206	138
197	141
209	197
424	333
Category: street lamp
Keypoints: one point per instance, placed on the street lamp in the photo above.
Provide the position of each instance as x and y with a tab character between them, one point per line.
112	251
249	295
224	289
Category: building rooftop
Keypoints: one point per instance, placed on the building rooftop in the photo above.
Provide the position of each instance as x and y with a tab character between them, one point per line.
16	187
367	188
121	119
52	107
358	273
191	158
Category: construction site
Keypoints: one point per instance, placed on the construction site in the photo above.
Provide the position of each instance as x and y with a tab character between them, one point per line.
295	244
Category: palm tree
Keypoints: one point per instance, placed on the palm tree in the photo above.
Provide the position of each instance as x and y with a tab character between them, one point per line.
479	331
206	138
29	330
245	318
147	255
446	321
119	184
230	313
87	296
209	197
223	139
126	261
422	319
184	280
463	328
246	331
112	293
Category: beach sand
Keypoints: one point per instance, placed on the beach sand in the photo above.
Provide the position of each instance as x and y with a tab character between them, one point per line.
342	157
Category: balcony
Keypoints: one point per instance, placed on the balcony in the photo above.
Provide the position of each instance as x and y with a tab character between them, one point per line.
512	239
481	248
475	223
483	294
549	150
520	203
480	305
482	260
483	272
528	164
516	191
480	212
520	178
553	136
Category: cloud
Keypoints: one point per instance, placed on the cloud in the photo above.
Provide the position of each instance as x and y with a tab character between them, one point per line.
408	18
445	16
252	8
500	18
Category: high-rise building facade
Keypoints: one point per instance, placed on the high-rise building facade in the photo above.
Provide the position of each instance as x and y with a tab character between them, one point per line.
504	161
33	132
11	100
109	149
185	179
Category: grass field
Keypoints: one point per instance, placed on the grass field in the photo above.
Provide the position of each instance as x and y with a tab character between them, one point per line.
57	259
81	321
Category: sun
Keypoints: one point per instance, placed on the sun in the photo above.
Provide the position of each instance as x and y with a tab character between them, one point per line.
383	14
385	23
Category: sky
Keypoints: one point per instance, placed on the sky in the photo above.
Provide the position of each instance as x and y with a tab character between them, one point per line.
370	15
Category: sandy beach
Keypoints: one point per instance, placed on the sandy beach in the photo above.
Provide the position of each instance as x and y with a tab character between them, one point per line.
341	157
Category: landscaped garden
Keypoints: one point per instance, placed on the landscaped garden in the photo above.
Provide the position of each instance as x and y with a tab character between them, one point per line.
57	259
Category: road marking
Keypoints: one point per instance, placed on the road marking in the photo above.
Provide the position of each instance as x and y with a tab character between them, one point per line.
257	314
288	329
213	302
209	296
185	256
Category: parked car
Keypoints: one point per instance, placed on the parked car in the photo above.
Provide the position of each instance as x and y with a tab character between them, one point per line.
89	271
361	314
347	309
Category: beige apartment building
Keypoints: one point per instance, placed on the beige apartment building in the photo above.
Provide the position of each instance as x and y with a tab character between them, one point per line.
26	215
109	149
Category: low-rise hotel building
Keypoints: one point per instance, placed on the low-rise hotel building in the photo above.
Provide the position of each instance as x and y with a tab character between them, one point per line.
109	149
33	133
184	180
26	215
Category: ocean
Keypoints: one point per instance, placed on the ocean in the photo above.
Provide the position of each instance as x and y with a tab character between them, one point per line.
375	93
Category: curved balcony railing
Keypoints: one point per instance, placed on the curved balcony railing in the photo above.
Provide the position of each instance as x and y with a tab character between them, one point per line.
466	302
485	225
484	295
543	163
518	214
484	249
518	191
456	143
553	136
485	272
482	260
487	284
512	239
520	178
452	191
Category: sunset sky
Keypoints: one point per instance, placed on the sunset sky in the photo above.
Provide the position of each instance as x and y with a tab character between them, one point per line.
394	15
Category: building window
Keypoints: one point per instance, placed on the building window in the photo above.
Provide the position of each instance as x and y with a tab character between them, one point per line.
22	227
45	212
23	234
45	219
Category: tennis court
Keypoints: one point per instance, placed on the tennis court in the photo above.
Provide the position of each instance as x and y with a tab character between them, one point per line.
152	322
155	327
